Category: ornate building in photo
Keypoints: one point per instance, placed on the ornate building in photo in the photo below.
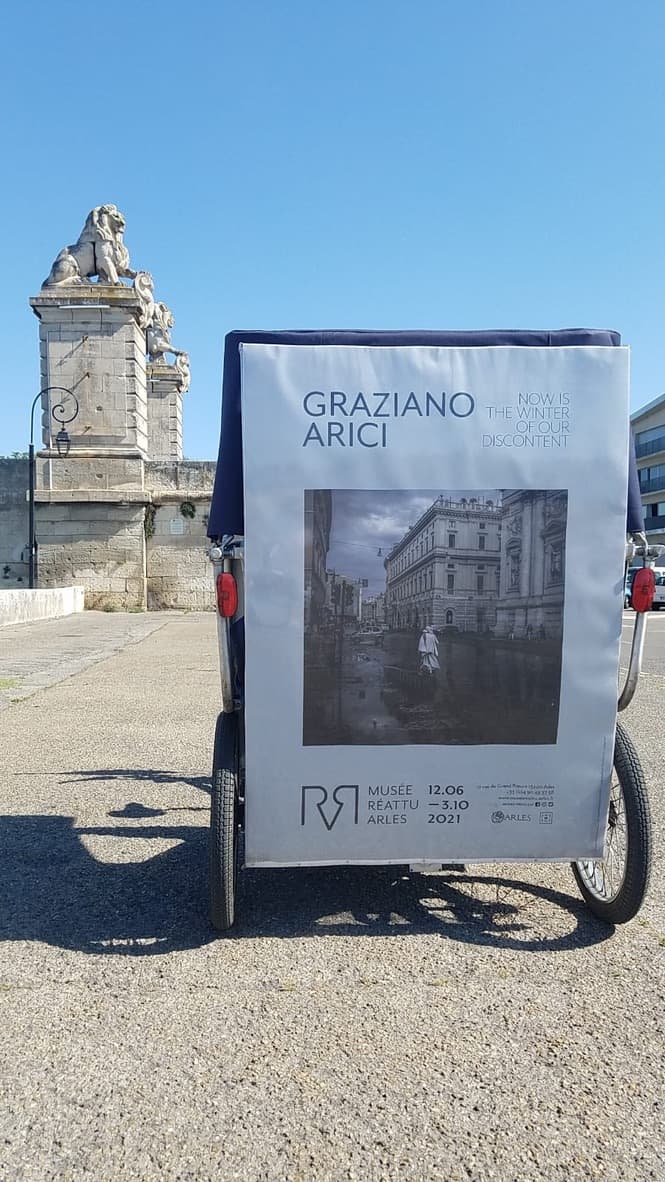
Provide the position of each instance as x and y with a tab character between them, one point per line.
374	611
445	570
532	564
318	521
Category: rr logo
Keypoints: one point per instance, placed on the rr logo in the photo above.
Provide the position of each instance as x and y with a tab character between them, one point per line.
329	818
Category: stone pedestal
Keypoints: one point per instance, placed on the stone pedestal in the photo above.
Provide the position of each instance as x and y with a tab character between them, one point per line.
164	385
90	343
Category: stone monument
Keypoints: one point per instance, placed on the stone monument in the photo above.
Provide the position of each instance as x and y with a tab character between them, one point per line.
105	337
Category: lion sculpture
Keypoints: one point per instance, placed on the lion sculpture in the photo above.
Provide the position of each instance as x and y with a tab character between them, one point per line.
99	251
159	335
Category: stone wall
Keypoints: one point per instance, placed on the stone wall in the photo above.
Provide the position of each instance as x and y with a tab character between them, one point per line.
147	550
179	573
101	546
14	529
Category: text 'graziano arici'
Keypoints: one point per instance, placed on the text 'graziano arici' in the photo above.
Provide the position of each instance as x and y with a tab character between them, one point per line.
359	420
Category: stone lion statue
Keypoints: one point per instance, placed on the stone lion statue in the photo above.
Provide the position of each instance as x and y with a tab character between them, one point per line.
184	373
99	251
159	335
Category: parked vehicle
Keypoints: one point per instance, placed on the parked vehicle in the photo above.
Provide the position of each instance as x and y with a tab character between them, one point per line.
659	596
628	585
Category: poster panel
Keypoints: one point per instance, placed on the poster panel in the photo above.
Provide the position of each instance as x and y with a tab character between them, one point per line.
434	572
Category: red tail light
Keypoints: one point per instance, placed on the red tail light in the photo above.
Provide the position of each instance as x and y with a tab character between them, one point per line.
227	594
643	590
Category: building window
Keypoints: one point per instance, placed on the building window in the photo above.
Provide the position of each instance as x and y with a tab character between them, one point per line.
482	525
481	541
556	562
649	435
449	617
480	584
451	584
451	541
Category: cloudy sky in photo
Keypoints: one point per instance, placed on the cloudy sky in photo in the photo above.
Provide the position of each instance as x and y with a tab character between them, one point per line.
368	520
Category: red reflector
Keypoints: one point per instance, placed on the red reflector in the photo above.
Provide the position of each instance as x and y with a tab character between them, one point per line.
227	594
643	590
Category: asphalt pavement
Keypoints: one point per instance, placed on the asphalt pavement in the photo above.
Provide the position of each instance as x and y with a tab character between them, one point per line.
357	1024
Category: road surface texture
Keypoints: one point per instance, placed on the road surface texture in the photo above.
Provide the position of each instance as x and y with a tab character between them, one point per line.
357	1025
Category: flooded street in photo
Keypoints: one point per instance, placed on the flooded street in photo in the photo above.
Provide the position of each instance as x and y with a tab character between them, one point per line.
487	690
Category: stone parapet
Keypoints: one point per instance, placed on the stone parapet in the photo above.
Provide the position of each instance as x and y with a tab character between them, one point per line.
185	476
83	471
73	496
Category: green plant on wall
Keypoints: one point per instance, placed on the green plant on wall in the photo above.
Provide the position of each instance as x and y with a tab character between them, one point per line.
188	509
149	520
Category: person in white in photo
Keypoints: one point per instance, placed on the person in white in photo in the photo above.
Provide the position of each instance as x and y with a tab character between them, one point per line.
428	647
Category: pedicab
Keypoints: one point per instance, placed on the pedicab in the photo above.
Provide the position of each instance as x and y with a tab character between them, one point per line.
445	485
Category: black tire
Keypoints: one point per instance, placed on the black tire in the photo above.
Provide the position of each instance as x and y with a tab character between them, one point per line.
224	822
616	900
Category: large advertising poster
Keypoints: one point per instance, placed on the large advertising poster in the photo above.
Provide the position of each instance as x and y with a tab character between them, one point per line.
434	560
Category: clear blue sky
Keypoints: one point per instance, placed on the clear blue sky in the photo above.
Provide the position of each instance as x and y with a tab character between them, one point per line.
357	164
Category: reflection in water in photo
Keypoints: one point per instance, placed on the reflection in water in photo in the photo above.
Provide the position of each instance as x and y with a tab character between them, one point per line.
487	690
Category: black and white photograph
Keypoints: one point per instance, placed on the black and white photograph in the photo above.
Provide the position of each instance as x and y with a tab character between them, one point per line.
433	616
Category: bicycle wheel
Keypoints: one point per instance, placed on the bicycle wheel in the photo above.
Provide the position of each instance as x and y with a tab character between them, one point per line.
224	822
614	887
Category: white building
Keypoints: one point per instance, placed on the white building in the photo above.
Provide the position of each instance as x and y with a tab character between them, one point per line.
374	611
445	570
532	564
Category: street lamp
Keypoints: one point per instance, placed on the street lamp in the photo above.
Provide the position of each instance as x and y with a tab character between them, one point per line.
63	412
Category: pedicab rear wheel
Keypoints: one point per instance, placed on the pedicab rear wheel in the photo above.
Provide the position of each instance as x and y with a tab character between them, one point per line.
224	822
614	887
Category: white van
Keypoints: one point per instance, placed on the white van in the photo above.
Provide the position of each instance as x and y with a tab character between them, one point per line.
659	597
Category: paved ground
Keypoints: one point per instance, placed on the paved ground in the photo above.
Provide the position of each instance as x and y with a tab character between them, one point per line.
357	1025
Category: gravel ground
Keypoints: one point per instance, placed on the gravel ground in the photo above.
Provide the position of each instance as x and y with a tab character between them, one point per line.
357	1024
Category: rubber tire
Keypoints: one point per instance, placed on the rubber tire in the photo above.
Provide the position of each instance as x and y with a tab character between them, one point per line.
224	823
630	897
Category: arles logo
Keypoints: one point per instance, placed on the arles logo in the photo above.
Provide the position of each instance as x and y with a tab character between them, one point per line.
316	797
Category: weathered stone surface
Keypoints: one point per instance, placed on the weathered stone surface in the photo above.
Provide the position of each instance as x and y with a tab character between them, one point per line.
98	354
14	530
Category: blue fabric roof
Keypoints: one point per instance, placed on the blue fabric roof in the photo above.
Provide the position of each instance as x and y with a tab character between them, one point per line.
227	512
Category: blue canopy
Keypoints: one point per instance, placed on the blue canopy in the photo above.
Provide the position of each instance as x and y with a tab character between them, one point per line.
227	512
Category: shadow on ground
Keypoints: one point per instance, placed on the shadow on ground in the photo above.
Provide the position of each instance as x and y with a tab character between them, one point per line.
56	892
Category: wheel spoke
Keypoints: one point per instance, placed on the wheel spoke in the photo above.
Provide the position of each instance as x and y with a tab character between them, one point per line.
604	877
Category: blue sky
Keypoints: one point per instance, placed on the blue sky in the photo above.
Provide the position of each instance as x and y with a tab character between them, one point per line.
362	164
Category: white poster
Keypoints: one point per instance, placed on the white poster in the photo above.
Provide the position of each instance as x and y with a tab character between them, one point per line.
434	570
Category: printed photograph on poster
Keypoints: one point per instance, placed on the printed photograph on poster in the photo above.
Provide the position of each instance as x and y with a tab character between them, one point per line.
433	616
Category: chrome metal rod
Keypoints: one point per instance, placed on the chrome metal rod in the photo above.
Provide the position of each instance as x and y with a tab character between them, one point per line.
635	662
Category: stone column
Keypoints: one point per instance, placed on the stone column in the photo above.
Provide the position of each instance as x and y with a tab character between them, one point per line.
164	386
91	505
91	343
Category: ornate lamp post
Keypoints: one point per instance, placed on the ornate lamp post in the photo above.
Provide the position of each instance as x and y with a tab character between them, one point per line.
63	412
